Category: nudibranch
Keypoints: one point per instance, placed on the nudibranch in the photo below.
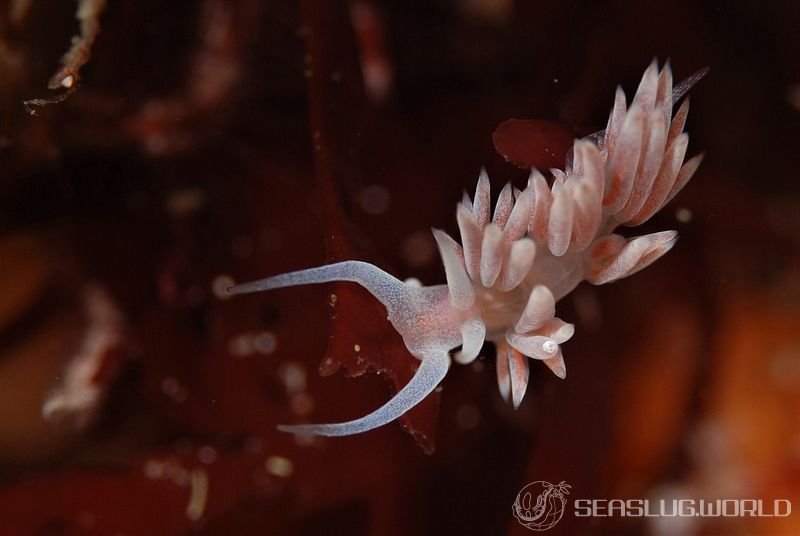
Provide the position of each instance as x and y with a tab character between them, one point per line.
515	262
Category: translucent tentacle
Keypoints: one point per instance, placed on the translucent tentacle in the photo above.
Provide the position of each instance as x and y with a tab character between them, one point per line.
622	164
560	226
540	214
462	296
389	290
473	333
491	254
683	88
557	365
535	346
519	263
503	374
431	371
635	255
519	374
481	204
541	307
471	239
505	203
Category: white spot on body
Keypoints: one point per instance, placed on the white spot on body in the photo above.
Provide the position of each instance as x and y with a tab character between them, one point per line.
413	282
550	347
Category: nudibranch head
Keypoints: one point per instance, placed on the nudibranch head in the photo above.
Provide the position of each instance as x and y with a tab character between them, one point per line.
516	261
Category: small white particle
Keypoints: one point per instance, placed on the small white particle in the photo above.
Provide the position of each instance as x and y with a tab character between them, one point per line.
67	81
293	377
241	345
279	466
154	470
207	454
550	347
357	347
198	495
683	214
374	200
265	342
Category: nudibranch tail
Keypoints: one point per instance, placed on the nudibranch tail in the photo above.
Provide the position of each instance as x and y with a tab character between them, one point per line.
431	371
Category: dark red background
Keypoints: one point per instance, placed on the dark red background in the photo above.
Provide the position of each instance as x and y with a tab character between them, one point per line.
682	379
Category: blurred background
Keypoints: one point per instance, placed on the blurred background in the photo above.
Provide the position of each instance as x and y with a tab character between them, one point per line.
186	144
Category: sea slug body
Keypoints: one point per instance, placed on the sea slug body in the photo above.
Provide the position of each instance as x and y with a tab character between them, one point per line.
514	263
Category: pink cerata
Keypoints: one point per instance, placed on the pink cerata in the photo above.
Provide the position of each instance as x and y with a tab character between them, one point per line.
514	263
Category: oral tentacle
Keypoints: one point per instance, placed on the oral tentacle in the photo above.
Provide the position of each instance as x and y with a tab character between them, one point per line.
431	371
390	291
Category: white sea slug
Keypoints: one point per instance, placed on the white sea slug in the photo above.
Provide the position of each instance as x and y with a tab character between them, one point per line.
513	265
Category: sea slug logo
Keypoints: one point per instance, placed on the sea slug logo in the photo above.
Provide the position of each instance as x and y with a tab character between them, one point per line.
540	505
